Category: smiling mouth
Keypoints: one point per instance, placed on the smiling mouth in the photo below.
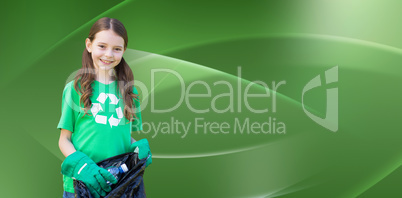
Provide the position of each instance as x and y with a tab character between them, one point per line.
106	62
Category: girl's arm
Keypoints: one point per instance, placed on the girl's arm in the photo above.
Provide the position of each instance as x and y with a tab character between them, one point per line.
65	145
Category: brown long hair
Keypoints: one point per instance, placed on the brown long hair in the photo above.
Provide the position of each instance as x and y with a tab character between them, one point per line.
86	74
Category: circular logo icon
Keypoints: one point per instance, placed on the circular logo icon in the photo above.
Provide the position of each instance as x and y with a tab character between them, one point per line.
96	108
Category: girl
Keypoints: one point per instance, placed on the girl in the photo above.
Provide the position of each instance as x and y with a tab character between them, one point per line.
100	107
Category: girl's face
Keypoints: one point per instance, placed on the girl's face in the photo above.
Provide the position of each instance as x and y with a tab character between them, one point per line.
106	49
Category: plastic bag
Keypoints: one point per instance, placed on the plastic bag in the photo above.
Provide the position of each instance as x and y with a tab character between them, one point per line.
129	186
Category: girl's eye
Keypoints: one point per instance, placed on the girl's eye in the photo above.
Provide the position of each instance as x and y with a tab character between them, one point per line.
118	49
101	46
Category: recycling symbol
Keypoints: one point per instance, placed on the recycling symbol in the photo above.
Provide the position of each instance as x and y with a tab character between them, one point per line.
101	119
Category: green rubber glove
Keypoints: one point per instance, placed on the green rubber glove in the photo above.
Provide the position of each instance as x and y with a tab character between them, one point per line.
79	166
142	148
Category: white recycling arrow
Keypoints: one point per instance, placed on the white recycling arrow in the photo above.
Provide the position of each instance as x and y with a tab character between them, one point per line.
113	121
102	97
100	119
113	98
119	113
96	107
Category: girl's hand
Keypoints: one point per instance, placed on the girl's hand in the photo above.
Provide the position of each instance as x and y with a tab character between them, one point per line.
142	148
79	166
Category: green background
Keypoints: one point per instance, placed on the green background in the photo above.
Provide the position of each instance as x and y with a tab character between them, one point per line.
292	41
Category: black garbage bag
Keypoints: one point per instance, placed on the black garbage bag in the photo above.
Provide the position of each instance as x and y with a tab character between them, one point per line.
129	186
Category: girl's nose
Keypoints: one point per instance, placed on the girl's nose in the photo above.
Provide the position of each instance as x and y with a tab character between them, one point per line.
109	53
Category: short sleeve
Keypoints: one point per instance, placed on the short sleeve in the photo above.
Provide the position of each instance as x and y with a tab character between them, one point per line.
137	122
68	108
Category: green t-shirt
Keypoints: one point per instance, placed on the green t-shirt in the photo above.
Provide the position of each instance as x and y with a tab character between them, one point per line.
102	133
